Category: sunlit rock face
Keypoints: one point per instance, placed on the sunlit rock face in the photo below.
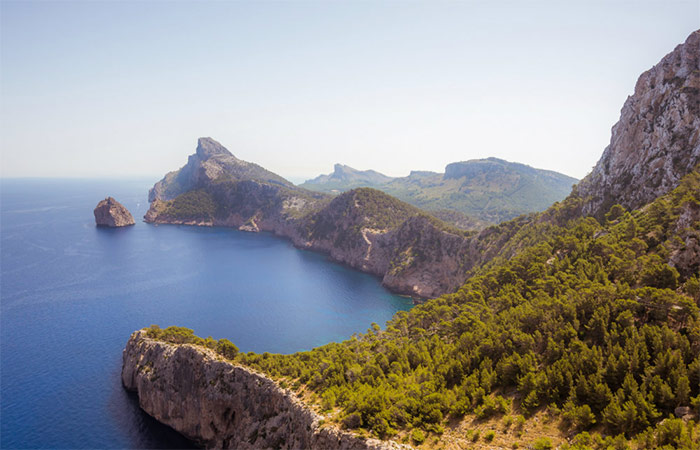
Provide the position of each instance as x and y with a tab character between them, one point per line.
221	405
111	213
657	140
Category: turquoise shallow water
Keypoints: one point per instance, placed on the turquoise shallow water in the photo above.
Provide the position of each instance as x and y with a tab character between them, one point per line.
72	293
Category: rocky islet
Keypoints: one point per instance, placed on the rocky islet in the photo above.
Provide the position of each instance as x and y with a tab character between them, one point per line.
110	213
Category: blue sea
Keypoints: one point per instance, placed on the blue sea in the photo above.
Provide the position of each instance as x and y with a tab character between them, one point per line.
71	294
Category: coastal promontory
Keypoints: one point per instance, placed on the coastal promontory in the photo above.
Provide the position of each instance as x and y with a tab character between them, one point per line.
111	213
220	404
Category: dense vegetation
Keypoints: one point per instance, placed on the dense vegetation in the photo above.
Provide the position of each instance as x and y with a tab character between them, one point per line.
353	210
182	335
367	208
192	205
587	321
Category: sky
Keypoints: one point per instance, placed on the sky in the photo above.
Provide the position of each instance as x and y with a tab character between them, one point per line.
118	88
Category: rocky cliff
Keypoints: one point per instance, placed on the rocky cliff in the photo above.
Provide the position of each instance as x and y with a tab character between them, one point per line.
221	405
211	162
657	139
111	213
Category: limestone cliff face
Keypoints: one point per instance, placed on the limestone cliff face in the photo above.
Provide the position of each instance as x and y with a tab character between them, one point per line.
111	213
657	140
221	405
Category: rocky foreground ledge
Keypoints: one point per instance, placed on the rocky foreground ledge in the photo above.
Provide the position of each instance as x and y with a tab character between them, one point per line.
222	405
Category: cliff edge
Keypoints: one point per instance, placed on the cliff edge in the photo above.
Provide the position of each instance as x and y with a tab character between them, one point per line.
222	405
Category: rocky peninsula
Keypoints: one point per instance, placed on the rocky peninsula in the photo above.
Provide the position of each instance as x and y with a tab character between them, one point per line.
111	213
219	404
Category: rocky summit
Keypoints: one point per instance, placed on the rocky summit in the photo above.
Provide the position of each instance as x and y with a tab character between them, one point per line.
212	162
111	213
657	140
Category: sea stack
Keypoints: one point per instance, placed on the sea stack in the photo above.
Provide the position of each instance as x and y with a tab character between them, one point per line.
111	213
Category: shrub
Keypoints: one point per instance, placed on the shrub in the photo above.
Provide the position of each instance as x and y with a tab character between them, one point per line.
179	335
579	417
507	422
418	436
476	435
352	420
226	348
492	407
542	444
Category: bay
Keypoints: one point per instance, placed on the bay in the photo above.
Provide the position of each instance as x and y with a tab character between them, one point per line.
71	294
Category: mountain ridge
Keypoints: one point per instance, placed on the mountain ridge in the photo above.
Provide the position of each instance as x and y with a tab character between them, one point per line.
487	190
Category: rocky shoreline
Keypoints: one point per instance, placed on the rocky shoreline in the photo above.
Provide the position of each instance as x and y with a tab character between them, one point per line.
376	254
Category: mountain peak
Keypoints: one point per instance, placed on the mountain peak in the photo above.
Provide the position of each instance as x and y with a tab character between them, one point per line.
210	162
208	147
340	169
345	174
656	141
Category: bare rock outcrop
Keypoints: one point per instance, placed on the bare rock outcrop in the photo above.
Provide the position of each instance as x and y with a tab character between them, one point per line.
657	140
221	405
111	213
210	162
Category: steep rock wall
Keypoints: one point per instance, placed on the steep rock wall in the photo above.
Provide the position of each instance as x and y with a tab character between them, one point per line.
221	405
657	140
111	213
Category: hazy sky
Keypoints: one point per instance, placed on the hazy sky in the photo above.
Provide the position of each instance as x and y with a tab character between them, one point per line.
126	88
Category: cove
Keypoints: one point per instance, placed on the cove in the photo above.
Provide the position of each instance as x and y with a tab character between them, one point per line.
71	294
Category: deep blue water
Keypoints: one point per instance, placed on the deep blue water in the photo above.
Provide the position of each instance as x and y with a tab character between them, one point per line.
71	294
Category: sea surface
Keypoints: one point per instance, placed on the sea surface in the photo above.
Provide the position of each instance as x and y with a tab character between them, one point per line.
71	294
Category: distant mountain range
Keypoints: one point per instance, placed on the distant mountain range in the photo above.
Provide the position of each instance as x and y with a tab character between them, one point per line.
470	194
344	178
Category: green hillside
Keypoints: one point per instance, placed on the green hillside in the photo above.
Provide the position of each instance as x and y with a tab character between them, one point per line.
483	191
